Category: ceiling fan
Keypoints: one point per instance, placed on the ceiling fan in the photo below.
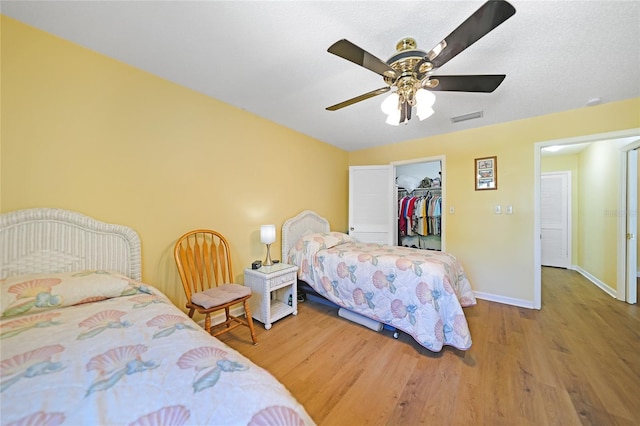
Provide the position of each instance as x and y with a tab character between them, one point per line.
411	70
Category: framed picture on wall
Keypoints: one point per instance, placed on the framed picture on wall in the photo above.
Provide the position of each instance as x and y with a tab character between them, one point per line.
486	173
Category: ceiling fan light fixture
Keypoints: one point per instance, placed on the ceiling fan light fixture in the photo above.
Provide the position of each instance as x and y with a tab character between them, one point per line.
390	104
424	112
422	99
425	98
394	118
424	103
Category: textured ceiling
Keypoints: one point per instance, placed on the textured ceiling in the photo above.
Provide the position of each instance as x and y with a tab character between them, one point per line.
270	57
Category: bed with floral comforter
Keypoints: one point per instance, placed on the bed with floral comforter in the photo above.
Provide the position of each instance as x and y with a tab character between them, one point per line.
96	347
417	291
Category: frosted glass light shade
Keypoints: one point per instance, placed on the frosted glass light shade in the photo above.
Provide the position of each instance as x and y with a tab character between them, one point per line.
394	118
425	97
390	104
424	112
267	234
424	101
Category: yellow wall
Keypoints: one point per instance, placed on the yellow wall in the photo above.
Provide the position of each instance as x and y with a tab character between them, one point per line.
84	132
558	163
598	206
595	200
497	251
88	133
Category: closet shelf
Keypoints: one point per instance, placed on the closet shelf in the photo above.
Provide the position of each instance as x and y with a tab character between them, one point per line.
419	190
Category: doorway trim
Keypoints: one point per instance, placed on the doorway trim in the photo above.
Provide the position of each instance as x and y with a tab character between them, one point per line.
537	147
628	182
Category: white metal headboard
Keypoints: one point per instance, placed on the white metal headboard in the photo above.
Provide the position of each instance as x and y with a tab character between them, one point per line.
305	223
45	240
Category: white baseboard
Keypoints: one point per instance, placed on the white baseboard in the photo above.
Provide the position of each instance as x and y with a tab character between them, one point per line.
603	286
504	300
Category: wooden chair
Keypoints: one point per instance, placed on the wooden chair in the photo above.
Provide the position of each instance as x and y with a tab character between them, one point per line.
204	264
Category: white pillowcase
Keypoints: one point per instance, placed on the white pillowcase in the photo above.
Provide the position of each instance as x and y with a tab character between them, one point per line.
34	293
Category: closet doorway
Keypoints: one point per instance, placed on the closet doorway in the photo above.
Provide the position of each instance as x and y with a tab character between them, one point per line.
419	186
373	198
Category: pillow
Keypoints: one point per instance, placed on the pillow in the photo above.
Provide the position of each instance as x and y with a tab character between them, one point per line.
34	293
310	244
408	182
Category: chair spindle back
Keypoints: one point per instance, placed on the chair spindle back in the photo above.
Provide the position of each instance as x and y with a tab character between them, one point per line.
203	260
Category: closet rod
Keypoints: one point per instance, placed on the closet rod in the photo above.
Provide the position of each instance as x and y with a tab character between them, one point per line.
438	188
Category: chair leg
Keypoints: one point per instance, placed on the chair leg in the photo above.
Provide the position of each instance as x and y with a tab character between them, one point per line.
226	311
207	323
247	312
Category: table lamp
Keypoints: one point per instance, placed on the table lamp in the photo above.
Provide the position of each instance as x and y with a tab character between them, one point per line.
268	236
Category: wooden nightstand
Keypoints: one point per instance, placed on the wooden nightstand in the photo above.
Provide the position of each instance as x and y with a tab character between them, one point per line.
275	292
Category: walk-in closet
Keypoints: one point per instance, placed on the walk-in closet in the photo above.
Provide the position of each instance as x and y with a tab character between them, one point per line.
419	205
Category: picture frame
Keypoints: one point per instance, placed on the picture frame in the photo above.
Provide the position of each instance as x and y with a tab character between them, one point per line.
486	173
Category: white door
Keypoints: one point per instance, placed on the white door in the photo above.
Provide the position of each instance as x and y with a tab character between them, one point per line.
371	206
555	204
632	226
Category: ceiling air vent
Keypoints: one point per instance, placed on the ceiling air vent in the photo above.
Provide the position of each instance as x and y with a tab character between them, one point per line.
465	117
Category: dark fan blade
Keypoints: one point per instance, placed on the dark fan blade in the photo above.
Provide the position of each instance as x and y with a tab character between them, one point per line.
467	83
490	15
349	51
359	98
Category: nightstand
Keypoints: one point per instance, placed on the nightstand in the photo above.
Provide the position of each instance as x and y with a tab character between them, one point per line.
275	292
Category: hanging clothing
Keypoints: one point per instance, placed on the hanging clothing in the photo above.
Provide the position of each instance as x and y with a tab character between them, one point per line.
420	215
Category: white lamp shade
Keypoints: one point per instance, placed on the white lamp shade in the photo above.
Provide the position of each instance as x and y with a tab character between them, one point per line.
425	98
394	118
424	101
267	234
424	112
390	104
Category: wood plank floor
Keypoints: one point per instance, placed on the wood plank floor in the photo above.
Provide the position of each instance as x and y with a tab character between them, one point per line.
576	361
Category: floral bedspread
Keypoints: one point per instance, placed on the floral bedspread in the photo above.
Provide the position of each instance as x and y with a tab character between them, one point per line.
119	352
420	292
